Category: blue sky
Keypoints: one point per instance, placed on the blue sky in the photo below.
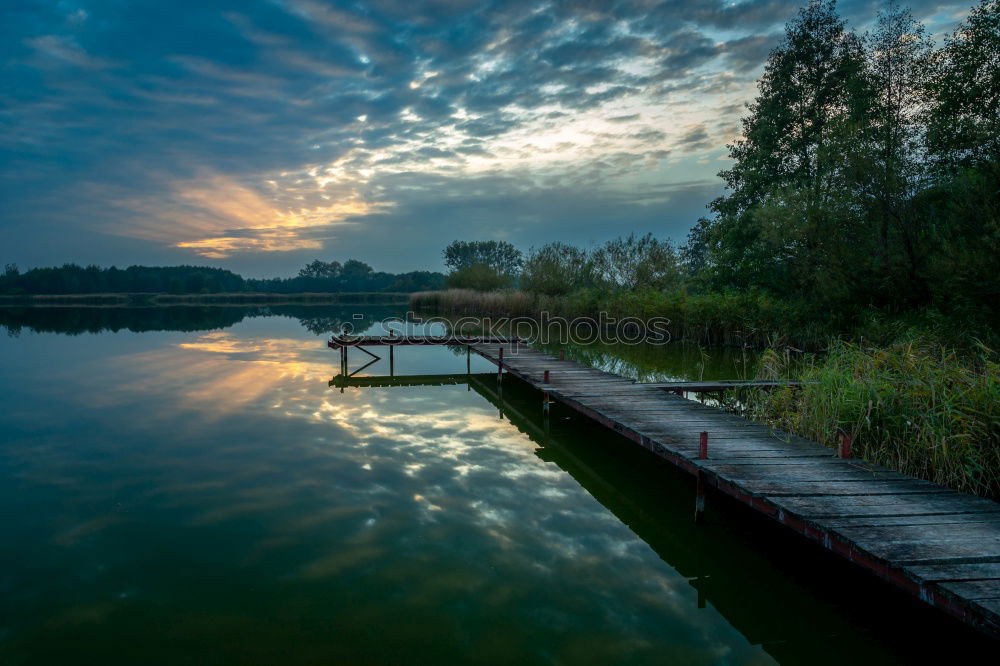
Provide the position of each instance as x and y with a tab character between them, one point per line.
259	134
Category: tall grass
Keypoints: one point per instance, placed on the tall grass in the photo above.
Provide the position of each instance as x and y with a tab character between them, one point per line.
916	406
736	319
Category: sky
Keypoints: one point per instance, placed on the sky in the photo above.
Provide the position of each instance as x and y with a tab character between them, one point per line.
259	135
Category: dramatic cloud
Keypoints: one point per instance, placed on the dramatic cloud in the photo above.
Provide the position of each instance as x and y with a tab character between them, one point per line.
261	133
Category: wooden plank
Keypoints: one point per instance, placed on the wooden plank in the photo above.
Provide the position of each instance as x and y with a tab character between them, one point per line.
985	532
933	519
927	544
815	487
885	505
973	589
932	552
989	608
954	572
832	470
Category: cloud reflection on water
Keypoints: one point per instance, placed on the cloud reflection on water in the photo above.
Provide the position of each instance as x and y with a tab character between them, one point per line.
404	507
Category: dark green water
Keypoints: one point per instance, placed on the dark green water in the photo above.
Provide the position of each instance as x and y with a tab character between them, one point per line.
181	486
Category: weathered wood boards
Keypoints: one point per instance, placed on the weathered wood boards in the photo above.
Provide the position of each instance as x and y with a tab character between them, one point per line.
938	544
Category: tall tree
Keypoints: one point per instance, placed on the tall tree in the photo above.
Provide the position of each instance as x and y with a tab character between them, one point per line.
963	121
501	256
889	161
784	222
321	269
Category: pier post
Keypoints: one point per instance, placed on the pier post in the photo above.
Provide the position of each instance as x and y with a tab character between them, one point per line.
468	360
844	446
545	377
562	354
500	400
500	366
699	498
546	403
392	361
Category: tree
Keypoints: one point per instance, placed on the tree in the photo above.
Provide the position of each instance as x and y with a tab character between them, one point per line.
789	165
694	253
501	256
354	269
321	269
963	119
557	268
889	164
637	262
480	277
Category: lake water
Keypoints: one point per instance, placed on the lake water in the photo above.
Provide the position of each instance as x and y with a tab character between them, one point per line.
182	486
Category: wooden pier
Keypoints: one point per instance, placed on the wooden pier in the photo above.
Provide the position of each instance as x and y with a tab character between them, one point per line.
937	544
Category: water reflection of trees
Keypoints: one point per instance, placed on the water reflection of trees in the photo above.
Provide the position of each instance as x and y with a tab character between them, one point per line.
644	362
316	319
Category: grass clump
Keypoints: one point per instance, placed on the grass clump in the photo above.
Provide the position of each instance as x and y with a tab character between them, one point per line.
915	406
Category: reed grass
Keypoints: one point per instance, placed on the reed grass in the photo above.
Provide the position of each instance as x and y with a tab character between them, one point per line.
915	406
730	319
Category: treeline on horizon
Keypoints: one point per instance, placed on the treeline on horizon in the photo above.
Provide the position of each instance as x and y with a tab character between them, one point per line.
318	276
867	179
78	320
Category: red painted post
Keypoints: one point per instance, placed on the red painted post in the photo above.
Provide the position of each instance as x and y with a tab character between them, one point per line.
545	377
844	449
562	354
703	446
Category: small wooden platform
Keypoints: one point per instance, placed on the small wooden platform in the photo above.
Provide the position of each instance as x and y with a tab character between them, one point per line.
940	545
342	381
336	342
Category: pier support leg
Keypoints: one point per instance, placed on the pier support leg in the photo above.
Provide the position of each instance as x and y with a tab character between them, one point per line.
500	400
699	499
500	366
392	361
468	360
546	404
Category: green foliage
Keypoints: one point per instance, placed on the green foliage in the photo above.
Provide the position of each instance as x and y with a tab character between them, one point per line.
963	89
632	262
479	277
867	174
557	268
321	269
501	256
915	406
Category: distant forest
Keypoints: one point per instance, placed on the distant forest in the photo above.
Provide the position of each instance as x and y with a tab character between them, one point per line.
318	276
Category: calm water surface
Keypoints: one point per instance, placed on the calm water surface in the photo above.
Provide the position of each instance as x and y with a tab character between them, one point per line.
181	485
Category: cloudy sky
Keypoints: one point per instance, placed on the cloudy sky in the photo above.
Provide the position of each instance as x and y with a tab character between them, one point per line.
260	134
